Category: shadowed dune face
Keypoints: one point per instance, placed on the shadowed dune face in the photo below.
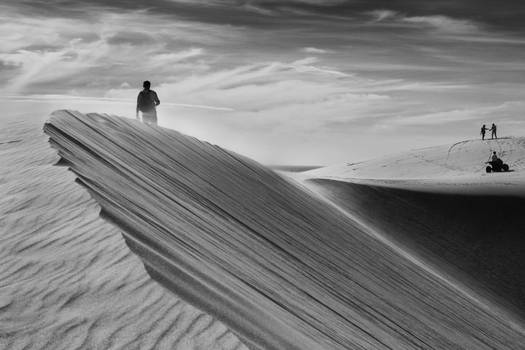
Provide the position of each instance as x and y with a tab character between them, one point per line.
67	279
272	260
480	235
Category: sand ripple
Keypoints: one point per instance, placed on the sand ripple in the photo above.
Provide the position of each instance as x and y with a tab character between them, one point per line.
67	279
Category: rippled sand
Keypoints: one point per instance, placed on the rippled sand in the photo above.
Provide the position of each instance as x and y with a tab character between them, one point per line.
282	265
67	279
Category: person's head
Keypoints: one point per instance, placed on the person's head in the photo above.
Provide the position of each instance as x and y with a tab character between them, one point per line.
494	153
483	125
146	85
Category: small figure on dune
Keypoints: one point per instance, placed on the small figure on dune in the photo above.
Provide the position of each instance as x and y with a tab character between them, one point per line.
493	129
483	131
496	164
495	157
147	101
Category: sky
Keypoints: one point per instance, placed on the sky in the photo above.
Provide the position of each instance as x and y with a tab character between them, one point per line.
302	82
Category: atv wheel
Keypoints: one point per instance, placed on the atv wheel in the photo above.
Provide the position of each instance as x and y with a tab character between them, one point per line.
488	169
505	167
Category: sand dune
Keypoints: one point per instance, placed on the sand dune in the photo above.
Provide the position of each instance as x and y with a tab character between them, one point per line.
67	278
270	258
439	203
462	159
474	238
457	168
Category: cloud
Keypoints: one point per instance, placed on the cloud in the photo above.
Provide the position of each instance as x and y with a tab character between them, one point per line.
315	50
444	23
440	23
175	57
274	94
135	38
380	15
308	65
482	114
47	66
62	55
271	13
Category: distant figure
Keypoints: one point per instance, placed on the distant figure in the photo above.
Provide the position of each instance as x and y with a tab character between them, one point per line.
147	101
483	131
494	157
493	129
496	164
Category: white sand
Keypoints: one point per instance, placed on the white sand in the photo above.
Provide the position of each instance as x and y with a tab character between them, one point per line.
277	264
458	168
67	279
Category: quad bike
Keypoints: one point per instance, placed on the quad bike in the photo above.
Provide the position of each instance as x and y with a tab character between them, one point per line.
497	166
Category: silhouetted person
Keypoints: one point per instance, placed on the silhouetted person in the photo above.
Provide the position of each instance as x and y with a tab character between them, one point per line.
147	101
496	162
494	157
493	129
483	131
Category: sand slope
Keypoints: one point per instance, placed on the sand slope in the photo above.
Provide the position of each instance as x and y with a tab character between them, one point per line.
475	238
439	203
67	279
465	159
454	169
276	263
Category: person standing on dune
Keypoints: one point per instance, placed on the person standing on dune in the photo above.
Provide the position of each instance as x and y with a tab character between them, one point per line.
147	102
493	129
483	131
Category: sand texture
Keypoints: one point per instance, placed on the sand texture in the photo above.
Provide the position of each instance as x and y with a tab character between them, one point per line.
441	205
281	265
67	279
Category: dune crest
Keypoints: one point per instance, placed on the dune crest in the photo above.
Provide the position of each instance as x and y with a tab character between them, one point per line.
279	266
457	168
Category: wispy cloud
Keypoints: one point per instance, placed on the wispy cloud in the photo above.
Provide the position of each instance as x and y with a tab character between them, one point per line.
480	114
444	23
380	15
36	67
440	23
163	59
315	50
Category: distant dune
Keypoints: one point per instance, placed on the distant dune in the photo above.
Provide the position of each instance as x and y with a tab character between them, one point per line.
440	204
450	168
292	168
278	263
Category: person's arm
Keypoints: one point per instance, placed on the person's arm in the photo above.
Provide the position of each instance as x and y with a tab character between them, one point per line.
157	101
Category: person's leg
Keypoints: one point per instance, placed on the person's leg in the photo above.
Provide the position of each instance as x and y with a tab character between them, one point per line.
150	118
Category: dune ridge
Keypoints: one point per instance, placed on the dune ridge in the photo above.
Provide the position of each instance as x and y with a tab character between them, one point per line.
454	169
67	279
266	256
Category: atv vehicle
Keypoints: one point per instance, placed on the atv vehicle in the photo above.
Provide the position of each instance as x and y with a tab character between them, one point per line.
497	166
